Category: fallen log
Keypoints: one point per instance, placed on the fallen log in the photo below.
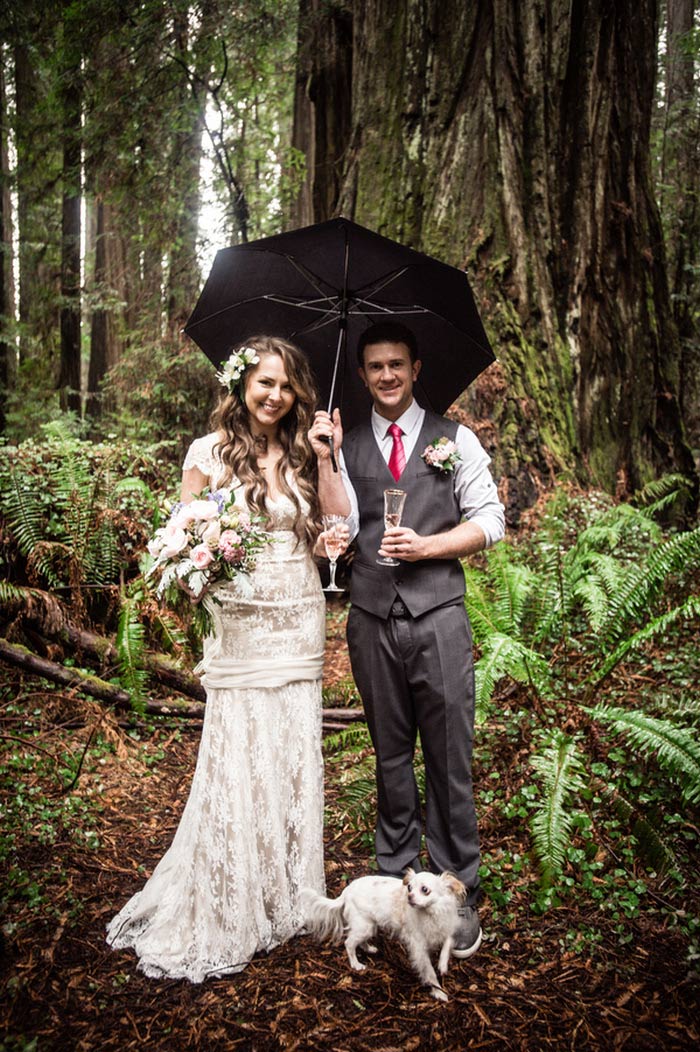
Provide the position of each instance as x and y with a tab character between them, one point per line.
21	657
163	669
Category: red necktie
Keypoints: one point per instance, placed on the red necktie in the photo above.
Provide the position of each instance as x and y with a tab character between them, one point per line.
397	460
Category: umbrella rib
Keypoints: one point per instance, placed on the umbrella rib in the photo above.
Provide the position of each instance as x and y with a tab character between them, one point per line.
312	278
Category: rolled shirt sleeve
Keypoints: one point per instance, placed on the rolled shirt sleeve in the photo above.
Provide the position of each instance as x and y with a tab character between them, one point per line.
475	489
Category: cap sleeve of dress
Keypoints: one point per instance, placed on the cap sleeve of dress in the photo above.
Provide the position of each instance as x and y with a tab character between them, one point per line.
200	455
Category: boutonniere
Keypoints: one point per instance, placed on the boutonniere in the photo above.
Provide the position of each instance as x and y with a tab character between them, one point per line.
441	454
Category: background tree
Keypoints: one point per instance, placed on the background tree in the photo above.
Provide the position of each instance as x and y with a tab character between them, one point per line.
677	156
7	287
70	94
515	140
109	115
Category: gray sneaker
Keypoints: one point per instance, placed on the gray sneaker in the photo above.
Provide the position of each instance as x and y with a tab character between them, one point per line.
468	934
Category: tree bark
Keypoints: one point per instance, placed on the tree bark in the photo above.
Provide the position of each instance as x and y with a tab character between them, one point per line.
19	656
7	288
38	209
69	379
322	105
680	182
106	342
513	139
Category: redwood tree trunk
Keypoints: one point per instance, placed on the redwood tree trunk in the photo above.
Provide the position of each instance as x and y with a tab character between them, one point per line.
69	375
7	289
105	327
680	177
514	139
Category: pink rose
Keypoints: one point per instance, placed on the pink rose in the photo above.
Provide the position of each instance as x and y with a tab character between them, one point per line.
229	539
174	540
201	556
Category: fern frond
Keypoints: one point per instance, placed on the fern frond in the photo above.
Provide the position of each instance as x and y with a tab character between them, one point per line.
170	632
504	656
23	514
561	771
354	738
477	599
634	600
72	475
675	748
659	626
101	562
663	493
130	650
593	598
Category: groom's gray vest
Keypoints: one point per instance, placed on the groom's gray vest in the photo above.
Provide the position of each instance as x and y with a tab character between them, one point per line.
431	507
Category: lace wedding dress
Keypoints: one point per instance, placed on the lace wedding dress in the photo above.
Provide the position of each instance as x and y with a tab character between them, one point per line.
251	834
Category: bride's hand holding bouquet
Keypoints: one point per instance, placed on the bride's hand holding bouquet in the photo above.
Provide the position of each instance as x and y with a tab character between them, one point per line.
207	540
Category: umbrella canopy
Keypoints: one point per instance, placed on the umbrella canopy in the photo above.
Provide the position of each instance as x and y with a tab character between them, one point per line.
321	287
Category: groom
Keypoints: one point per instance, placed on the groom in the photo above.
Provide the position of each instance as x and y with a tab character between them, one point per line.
408	633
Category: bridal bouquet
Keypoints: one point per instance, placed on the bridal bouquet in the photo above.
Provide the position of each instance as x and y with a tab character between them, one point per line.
209	539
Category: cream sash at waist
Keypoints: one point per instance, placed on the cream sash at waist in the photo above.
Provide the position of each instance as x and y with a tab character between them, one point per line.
223	673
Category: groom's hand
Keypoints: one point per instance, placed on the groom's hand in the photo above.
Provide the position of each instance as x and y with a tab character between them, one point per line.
323	428
400	542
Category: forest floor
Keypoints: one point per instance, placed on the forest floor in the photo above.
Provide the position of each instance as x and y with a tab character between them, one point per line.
574	978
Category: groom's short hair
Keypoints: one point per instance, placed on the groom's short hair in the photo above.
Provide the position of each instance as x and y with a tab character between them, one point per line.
387	332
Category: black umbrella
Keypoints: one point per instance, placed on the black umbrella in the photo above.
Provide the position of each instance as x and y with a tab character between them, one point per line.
321	287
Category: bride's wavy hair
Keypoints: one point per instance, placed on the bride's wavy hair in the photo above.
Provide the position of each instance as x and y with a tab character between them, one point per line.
237	450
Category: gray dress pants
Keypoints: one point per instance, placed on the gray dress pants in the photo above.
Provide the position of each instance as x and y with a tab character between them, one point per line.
416	675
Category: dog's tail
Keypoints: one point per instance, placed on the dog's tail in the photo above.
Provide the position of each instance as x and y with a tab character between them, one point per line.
323	917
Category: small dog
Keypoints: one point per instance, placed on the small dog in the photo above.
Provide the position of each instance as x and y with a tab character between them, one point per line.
420	911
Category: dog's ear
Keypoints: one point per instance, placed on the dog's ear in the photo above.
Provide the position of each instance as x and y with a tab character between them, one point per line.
409	875
454	885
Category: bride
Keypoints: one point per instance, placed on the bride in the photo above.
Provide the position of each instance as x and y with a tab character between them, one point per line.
251	834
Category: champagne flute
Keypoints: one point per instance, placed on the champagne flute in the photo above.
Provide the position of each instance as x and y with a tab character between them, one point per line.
394	500
336	543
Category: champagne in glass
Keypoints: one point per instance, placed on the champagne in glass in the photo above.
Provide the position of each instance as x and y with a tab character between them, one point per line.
394	500
336	543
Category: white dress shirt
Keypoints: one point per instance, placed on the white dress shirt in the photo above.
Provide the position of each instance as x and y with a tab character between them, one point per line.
474	488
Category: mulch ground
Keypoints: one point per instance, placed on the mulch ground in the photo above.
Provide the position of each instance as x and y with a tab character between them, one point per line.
64	989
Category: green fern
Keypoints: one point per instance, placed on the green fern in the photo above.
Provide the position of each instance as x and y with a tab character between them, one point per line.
561	770
130	650
503	656
676	749
352	739
635	599
170	632
660	494
658	626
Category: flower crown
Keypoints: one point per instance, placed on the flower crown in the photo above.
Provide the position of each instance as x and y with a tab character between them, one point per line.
233	369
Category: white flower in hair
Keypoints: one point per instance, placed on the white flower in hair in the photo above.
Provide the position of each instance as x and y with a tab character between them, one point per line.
233	369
